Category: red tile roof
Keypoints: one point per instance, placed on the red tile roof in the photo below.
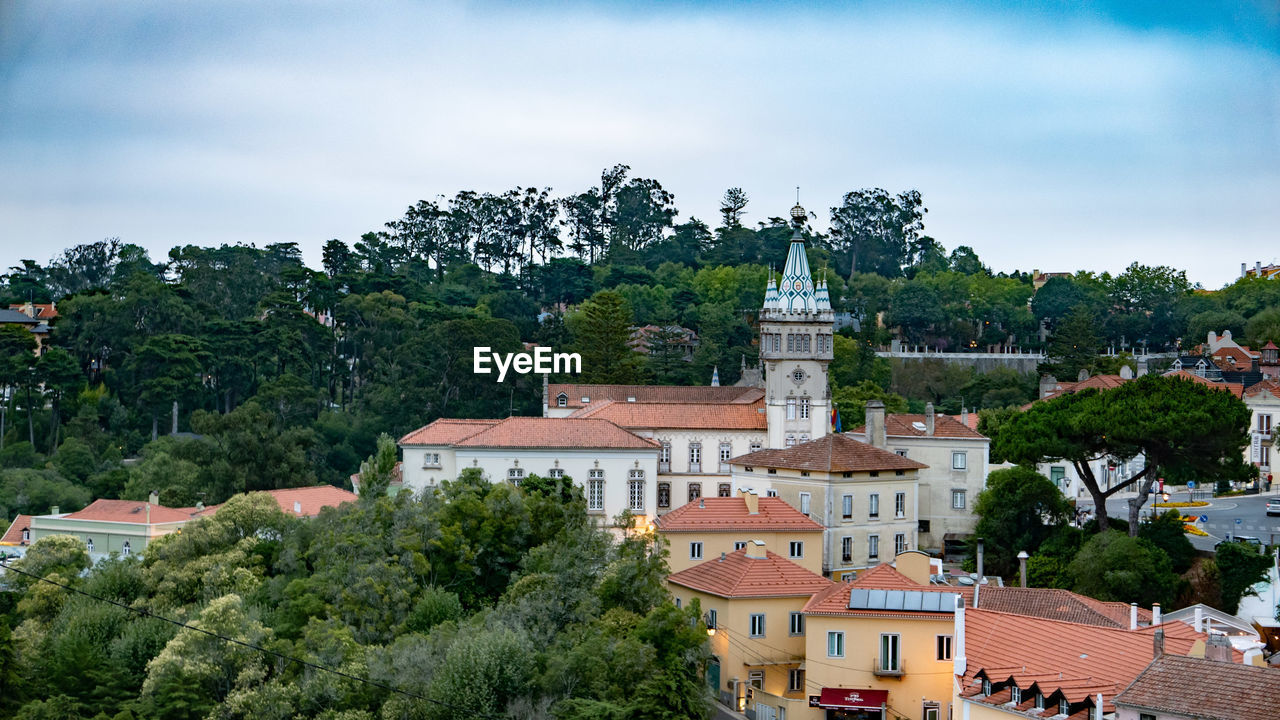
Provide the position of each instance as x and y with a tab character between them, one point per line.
696	394
13	536
731	416
310	500
540	432
1221	691
446	431
830	453
1100	382
1081	660
1270	385
1053	604
835	600
128	511
739	576
1233	388
902	425
717	514
39	311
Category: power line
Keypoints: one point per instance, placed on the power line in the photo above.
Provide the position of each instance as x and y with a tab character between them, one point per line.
147	613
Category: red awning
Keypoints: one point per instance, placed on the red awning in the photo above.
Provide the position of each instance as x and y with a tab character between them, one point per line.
846	699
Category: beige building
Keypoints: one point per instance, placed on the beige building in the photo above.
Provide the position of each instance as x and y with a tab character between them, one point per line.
865	497
711	527
956	457
1263	401
751	600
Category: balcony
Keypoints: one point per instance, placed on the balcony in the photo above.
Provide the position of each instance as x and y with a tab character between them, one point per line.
880	670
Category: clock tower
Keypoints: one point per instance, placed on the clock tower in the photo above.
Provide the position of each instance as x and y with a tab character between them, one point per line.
796	327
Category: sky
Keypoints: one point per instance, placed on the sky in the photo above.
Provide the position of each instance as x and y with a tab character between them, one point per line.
1057	136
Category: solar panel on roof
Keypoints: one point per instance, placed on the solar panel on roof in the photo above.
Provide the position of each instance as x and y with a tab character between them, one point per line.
914	601
909	600
894	599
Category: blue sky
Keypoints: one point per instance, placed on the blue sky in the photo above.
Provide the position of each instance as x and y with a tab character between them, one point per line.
1057	136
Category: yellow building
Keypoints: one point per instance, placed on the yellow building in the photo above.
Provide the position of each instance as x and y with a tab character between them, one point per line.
751	600
715	526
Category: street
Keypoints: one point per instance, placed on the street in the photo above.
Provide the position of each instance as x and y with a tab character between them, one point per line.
1222	515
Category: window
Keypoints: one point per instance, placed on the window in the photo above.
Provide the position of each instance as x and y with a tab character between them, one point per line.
932	712
944	647
88	544
835	644
846	507
791	440
739	544
755	678
797	623
901	452
797	549
795	680
430	460
791	408
986	687
804	437
791	342
595	489
635	489
1064	707
1146	716
1058	474
873	505
804	503
515	475
1264	455
695	491
771	492
846	549
724	490
695	457
807	340
890	657
1015	694
1040	702
664	457
726	452
555	473
798	375
873	547
959	461
900	505
26	535
1264	424
804	407
677	603
899	543
755	446
562	400
664	494
757	625
695	551
126	549
711	618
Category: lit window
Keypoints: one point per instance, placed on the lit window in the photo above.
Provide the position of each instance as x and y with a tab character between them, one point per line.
959	461
797	623
595	490
635	489
757	625
957	499
835	644
695	551
797	549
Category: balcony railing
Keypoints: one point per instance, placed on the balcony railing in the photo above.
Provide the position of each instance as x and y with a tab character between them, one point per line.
881	671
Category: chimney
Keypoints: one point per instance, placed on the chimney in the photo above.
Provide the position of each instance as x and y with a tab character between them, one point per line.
55	510
1198	623
752	500
702	504
980	559
1213	340
199	505
1158	645
755	549
722	556
297	507
1155	614
546	397
1047	385
154	497
977	586
928	419
1022	567
1097	708
875	423
1218	648
1257	269
964	416
1133	616
960	662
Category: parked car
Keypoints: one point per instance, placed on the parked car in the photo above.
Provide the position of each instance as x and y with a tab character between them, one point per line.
1273	506
1247	539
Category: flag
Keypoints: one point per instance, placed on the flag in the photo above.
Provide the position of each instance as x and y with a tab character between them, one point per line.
835	420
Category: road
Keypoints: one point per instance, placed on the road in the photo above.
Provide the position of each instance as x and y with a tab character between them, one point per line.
1222	515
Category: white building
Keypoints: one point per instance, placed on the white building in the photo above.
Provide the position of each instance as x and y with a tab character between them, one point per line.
1263	401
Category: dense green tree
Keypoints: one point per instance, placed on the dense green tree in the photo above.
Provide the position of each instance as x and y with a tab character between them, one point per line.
1264	327
1075	345
601	331
1166	531
1241	567
1216	321
1019	509
873	231
1117	568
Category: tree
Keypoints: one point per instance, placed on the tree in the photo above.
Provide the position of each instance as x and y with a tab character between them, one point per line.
1264	327
915	308
1166	531
378	471
873	231
168	369
1117	568
1075	344
601	331
731	207
61	555
1019	509
1216	321
1241	567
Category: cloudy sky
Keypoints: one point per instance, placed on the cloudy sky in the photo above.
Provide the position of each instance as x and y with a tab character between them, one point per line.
1059	136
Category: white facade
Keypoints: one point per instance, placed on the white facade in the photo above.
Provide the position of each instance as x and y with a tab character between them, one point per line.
1264	413
694	463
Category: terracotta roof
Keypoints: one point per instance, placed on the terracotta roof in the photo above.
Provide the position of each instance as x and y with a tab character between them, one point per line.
738	576
446	431
1270	346
40	311
1080	660
835	600
1242	355
717	514
695	394
540	432
732	416
13	536
312	499
969	420
830	453
1100	382
1233	388
128	511
902	425
1053	604
885	577
1268	386
1221	691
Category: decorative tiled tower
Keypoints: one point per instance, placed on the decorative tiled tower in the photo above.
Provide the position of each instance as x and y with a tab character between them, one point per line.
796	326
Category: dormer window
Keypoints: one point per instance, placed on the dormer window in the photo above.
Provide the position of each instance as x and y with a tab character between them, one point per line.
1064	707
562	400
1039	701
1015	694
986	687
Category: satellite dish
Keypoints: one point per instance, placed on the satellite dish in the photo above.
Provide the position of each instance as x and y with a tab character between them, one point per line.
966	581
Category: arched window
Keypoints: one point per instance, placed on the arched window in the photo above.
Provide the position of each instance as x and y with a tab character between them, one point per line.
126	549
562	400
88	543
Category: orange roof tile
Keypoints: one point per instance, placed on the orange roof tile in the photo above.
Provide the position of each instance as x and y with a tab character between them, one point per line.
729	514
446	431
696	394
308	501
830	453
128	511
902	425
1221	691
540	432
13	536
731	416
884	577
738	576
1054	604
835	600
1270	385
1233	388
